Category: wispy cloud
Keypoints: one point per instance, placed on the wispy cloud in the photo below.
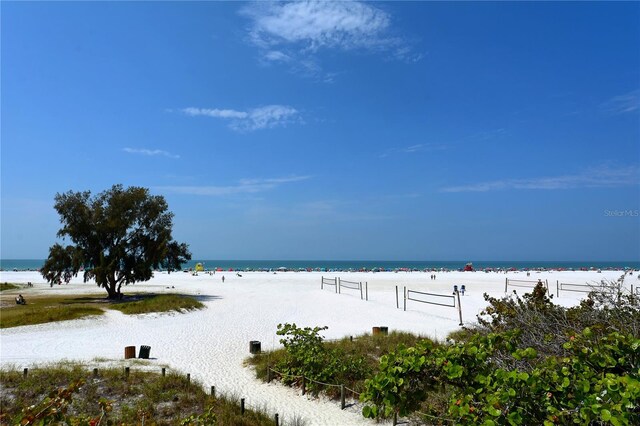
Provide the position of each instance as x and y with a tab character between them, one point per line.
623	104
150	152
601	177
294	32
412	149
244	186
258	118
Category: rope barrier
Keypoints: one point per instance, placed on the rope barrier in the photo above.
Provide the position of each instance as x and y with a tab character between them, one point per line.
352	391
434	417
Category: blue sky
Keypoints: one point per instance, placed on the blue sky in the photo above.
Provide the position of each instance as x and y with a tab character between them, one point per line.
383	131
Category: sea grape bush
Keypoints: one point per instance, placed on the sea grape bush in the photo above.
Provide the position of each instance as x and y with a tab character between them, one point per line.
307	355
496	378
598	381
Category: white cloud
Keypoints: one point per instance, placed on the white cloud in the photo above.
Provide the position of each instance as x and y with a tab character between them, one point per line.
421	147
276	56
150	152
216	113
258	118
602	177
315	24
622	104
244	186
294	32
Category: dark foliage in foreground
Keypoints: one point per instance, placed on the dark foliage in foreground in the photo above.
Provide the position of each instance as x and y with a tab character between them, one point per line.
528	362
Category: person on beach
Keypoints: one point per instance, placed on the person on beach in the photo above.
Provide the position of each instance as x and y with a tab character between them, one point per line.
223	279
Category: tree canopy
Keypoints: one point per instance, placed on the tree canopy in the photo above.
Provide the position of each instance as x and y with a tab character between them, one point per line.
119	237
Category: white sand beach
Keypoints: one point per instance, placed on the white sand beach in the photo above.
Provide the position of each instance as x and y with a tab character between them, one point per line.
212	343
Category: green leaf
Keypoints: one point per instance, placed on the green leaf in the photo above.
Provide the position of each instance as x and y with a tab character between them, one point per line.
605	415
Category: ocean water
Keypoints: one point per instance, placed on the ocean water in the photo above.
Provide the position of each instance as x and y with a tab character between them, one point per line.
32	264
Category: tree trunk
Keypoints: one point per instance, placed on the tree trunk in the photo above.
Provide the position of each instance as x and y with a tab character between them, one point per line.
112	293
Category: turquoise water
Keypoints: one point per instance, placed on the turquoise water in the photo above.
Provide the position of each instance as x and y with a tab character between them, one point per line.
26	264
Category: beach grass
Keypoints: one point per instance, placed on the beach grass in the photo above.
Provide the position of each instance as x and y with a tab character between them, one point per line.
162	400
44	309
8	286
147	303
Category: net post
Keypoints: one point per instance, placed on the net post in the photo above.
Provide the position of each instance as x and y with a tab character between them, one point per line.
459	307
397	303
405	298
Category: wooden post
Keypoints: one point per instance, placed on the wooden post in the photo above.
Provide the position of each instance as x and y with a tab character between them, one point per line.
405	298
95	372
547	284
397	304
366	290
360	290
351	338
277	420
268	374
164	371
459	307
395	418
126	372
188	379
557	288
321	283
342	404
213	391
242	406
506	283
335	282
304	385
339	286
25	372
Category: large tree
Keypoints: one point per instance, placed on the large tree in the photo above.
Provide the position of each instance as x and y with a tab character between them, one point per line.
119	237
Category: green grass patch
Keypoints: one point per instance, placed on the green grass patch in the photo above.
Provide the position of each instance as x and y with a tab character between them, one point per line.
144	304
40	310
44	309
162	400
8	286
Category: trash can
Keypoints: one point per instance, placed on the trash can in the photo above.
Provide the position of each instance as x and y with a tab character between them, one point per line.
129	352
375	330
384	330
144	352
255	347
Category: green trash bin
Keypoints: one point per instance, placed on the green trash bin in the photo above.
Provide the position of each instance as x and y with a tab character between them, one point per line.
144	352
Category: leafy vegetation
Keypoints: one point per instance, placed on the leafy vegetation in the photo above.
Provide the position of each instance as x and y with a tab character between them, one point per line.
528	362
307	354
68	394
119	237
